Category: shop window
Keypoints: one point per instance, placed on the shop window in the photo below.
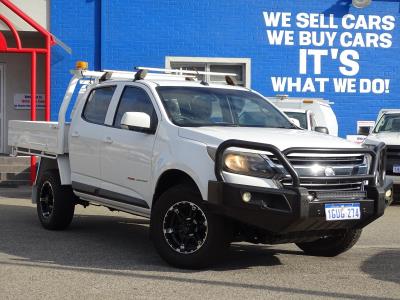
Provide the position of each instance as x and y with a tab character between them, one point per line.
239	66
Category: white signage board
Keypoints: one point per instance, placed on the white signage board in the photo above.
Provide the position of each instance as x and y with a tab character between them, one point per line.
23	101
365	124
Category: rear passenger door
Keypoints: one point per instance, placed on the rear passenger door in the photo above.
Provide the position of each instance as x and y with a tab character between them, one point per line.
126	155
85	138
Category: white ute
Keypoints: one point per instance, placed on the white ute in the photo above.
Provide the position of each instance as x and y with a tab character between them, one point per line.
208	164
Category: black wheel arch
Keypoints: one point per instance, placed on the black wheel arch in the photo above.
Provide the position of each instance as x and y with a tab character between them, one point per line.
172	178
45	165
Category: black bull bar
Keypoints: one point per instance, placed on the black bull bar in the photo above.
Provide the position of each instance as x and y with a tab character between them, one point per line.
300	214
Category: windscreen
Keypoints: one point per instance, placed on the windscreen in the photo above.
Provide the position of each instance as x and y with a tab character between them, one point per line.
302	117
196	106
388	123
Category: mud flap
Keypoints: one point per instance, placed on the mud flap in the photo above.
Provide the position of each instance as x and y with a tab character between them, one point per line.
34	194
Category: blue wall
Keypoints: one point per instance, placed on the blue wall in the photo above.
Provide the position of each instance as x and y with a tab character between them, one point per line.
77	24
121	34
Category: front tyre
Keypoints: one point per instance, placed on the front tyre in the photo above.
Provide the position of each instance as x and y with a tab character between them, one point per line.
184	232
56	202
331	245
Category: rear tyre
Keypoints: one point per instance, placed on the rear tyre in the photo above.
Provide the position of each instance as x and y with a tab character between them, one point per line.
184	232
331	245
56	202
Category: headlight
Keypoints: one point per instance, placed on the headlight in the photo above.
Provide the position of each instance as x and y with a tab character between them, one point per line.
251	164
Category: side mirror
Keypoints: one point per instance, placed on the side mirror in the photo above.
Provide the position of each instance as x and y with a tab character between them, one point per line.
321	129
138	121
295	121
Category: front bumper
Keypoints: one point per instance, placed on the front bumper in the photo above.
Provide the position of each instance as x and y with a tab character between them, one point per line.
286	211
294	209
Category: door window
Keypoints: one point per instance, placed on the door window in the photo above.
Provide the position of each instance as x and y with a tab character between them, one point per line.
96	107
135	99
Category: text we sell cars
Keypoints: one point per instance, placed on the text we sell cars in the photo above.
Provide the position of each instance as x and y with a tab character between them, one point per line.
313	20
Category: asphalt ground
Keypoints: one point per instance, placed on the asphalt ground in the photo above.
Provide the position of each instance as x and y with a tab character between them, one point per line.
108	255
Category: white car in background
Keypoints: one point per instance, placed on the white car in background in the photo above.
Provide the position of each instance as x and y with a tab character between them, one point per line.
387	130
314	113
305	117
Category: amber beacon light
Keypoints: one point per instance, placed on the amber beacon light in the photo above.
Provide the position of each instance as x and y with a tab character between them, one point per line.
82	65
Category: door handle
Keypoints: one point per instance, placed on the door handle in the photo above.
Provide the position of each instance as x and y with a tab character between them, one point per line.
108	140
75	134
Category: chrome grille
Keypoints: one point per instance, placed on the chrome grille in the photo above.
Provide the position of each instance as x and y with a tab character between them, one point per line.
331	161
332	185
326	161
313	176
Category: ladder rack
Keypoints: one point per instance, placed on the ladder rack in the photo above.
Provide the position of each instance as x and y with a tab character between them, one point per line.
98	76
185	72
156	74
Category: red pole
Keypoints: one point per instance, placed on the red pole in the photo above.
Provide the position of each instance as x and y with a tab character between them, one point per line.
13	31
47	76
33	108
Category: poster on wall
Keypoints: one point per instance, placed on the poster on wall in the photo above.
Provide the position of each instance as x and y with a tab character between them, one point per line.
23	101
331	51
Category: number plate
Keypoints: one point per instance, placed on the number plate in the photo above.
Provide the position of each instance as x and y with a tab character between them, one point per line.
342	211
396	169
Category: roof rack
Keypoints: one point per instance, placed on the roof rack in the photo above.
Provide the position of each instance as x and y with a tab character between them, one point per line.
185	72
189	74
142	72
99	76
114	74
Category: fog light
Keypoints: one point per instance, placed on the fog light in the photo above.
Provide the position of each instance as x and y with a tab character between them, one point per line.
388	194
246	197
